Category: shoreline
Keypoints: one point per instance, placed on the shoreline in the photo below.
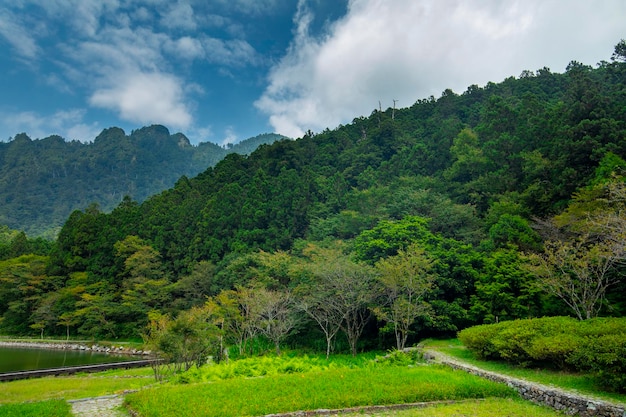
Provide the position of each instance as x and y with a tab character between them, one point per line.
86	347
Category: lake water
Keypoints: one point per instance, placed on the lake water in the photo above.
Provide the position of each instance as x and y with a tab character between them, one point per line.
26	359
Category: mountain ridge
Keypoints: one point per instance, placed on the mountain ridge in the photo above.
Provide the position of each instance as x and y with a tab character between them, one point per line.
43	180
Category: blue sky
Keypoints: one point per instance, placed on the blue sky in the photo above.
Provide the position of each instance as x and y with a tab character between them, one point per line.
225	70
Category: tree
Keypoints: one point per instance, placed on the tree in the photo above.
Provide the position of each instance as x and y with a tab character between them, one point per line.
246	328
406	280
277	316
193	289
44	314
23	285
67	319
144	286
349	289
619	54
504	289
317	297
183	342
227	316
577	271
95	313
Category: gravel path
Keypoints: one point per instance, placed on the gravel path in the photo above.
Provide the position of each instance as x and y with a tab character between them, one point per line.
107	406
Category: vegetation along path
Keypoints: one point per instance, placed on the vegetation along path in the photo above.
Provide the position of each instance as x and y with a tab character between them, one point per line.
562	400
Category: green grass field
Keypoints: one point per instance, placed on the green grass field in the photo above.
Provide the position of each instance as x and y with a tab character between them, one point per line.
266	385
75	386
334	388
50	408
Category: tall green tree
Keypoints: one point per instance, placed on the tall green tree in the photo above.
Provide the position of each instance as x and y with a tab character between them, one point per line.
406	280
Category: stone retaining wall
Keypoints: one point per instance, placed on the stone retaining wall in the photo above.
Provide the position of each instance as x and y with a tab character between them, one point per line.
567	402
76	346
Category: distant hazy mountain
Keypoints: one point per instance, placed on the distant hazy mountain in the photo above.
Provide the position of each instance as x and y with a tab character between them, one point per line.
42	181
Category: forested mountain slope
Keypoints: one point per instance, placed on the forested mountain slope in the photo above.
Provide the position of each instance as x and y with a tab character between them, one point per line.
43	181
520	147
458	180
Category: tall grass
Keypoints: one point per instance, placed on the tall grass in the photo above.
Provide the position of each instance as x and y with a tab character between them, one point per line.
332	388
50	408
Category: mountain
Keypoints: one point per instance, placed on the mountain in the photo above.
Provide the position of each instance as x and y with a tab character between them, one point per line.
463	183
42	181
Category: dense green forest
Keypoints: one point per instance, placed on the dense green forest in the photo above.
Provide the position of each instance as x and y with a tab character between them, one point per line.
42	181
505	201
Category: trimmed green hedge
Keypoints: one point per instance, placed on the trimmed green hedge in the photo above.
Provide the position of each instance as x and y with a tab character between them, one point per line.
596	345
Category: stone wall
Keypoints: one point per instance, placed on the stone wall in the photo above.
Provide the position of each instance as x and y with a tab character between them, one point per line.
567	402
76	346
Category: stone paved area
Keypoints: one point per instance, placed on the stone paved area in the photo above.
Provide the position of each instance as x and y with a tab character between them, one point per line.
108	406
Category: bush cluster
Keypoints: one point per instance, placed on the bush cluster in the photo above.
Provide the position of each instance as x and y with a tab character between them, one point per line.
293	364
597	345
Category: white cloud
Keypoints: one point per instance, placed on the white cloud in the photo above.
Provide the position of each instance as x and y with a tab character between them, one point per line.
250	7
231	53
186	47
68	124
229	136
409	49
179	16
17	36
146	98
131	57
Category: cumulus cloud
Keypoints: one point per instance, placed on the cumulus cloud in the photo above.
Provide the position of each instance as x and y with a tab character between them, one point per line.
179	16
132	58
146	98
68	124
406	50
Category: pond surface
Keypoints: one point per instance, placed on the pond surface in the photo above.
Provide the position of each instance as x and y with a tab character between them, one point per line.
14	359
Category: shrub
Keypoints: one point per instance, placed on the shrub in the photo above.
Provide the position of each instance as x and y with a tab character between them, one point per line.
606	356
554	350
401	358
478	339
596	345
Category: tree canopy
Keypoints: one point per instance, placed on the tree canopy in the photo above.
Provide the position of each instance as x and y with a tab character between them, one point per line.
453	199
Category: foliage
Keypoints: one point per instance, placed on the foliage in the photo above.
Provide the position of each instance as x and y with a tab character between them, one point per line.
183	342
596	345
405	357
585	249
406	282
583	382
52	408
333	388
43	180
339	294
256	367
605	356
468	178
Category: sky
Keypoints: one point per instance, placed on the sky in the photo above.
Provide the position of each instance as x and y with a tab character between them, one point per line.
225	70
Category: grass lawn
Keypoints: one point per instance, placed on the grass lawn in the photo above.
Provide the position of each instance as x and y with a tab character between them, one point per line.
333	388
75	386
50	408
581	383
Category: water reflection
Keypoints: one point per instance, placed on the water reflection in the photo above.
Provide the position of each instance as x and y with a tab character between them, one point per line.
26	359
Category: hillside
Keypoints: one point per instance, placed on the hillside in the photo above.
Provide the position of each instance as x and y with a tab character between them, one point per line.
42	181
469	186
